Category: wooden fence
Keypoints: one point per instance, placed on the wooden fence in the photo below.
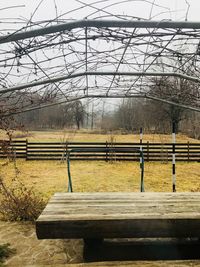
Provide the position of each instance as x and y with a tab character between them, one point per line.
57	151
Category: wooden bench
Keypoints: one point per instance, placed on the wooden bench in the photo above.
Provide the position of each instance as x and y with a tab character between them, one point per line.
94	216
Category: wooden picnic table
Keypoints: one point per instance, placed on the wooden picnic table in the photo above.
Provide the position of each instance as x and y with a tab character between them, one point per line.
94	216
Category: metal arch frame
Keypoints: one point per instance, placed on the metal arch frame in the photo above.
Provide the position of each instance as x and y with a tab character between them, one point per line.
164	24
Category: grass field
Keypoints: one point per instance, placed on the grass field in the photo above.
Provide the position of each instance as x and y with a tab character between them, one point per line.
85	136
49	177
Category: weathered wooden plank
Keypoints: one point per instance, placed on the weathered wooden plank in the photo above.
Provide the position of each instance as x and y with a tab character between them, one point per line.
135	203
128	195
128	210
132	204
101	215
117	228
131	194
117	217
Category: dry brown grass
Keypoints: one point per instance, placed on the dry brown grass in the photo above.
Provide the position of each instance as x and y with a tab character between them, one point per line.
74	135
51	176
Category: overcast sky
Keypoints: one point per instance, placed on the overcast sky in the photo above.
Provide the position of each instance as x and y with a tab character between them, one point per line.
163	9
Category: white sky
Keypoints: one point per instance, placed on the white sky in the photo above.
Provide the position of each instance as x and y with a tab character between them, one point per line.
170	9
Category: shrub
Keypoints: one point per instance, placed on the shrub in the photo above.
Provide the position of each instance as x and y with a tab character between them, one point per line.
19	203
5	252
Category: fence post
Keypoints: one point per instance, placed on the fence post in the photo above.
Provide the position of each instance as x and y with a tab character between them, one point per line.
66	148
148	151
106	151
26	149
188	150
167	155
141	162
173	157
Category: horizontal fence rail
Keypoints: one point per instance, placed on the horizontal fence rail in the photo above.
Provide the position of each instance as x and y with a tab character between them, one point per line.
110	151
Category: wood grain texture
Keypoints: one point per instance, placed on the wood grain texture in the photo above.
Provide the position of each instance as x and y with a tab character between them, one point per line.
116	215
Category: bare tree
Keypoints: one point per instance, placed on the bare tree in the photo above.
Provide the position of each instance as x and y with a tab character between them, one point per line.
78	111
176	90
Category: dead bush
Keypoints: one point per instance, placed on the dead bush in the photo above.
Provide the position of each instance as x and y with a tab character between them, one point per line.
18	202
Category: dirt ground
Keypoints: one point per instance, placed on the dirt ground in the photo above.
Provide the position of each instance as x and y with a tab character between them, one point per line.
31	251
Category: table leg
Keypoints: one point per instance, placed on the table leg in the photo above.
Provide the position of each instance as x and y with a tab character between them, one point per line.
90	242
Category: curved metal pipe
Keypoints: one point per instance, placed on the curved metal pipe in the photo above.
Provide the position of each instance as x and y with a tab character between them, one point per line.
165	24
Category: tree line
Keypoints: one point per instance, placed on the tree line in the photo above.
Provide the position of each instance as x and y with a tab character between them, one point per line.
131	113
158	116
54	117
